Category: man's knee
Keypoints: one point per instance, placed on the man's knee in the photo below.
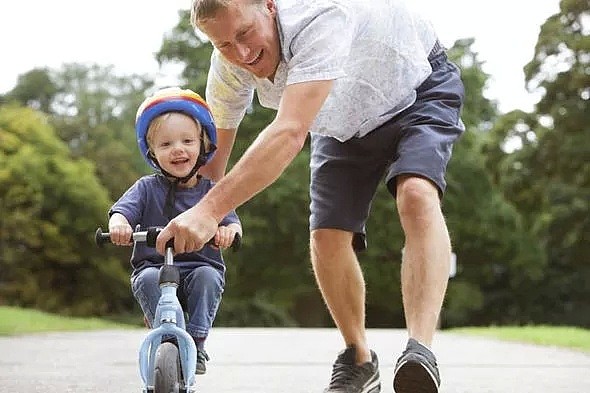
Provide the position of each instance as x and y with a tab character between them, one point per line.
327	241
416	197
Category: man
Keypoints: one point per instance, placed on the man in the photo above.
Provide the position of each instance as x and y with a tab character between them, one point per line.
373	86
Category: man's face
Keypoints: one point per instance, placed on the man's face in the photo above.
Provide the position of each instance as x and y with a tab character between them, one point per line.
246	34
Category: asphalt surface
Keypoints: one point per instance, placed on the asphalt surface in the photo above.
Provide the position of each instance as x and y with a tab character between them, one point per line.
281	360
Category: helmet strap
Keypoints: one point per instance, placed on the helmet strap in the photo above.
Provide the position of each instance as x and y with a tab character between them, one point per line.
169	210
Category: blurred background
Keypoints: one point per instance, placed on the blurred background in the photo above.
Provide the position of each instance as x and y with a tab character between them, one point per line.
517	204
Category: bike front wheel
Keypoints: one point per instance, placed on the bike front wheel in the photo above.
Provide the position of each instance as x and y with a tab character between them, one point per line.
167	372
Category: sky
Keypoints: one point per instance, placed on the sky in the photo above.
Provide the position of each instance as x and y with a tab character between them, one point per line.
127	33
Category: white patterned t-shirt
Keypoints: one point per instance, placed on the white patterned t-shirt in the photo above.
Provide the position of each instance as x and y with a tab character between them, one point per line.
376	52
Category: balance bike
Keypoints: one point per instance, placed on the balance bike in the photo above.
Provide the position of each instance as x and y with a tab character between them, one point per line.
168	366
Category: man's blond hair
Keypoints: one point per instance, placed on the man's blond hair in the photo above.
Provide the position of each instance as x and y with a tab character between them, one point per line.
204	9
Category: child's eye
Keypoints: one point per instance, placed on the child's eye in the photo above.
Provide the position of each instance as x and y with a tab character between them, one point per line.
164	144
189	141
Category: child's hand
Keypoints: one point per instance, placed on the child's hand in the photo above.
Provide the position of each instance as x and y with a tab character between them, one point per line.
224	237
120	230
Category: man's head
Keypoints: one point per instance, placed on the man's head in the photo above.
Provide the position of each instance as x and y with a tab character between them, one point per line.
244	31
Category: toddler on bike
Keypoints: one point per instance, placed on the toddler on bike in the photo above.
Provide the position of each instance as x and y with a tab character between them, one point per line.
176	136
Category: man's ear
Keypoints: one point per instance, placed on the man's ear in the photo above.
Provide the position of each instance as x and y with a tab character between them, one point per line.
271	7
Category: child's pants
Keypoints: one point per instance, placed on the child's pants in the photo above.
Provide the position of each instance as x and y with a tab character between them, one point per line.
199	293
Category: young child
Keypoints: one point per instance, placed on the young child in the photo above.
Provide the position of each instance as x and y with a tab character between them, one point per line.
176	136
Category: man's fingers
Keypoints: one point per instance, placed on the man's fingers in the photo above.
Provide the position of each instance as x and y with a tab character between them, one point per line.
163	237
180	244
189	234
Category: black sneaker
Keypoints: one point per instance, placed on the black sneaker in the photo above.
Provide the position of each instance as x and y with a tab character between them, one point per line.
348	377
202	358
416	370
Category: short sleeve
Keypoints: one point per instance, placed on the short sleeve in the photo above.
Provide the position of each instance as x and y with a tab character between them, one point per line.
321	47
229	92
131	204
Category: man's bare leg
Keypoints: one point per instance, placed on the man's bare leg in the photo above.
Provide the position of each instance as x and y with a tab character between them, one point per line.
426	259
342	285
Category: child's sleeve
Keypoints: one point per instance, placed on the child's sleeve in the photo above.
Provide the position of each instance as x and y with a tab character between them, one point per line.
231	218
131	203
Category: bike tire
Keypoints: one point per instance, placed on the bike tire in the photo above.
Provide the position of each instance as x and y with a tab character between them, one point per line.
167	372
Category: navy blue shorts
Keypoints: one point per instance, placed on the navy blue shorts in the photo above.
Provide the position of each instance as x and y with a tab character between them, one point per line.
418	141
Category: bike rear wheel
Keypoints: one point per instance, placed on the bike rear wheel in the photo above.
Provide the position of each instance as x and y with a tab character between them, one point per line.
167	372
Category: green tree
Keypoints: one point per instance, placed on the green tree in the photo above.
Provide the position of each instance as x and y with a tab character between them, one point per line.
93	111
182	47
49	204
95	116
549	177
35	89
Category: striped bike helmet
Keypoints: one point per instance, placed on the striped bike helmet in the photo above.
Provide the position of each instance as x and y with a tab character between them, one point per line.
174	99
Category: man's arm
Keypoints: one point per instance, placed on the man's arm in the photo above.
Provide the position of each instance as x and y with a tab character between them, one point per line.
264	161
215	169
272	151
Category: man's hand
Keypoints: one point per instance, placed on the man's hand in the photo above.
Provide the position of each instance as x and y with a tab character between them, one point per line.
190	230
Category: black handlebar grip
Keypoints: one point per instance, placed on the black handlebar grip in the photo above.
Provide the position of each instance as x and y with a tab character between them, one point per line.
101	238
152	236
237	243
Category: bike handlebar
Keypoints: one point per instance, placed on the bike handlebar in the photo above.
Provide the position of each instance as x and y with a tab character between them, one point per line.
150	235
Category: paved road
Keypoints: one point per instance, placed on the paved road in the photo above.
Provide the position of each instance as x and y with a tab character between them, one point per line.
281	360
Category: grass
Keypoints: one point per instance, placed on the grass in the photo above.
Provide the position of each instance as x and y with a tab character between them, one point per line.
560	336
26	321
15	320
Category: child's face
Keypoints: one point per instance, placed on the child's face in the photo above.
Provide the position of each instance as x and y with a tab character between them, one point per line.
176	144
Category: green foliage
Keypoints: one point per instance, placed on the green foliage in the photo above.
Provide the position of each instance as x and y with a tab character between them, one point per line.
95	117
496	253
93	111
183	47
478	110
548	177
275	246
35	89
254	312
48	203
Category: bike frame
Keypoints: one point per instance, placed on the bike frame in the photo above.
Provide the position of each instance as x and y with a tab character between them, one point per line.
169	320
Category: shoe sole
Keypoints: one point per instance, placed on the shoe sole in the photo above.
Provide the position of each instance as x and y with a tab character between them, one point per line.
412	377
372	386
